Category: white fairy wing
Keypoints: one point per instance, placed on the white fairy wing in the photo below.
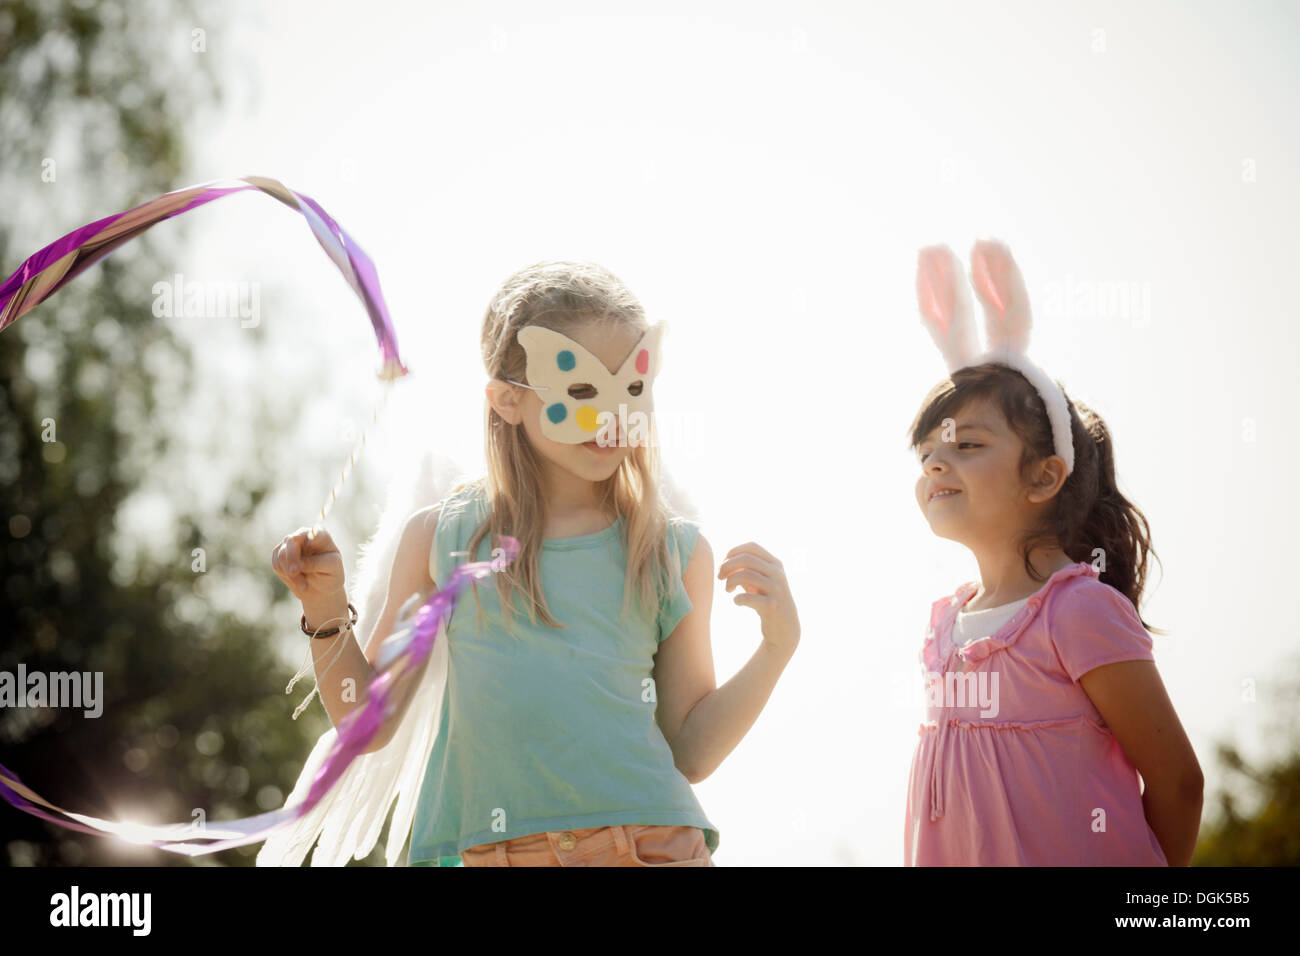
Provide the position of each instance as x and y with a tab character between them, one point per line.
373	781
349	819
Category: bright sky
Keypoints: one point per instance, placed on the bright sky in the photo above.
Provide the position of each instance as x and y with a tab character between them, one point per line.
762	175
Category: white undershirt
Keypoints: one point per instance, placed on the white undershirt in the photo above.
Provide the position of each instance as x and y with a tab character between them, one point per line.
972	625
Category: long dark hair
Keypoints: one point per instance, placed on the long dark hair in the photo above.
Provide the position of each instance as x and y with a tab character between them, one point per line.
1088	513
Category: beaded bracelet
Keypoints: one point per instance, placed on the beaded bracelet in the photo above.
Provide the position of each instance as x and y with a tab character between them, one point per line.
350	624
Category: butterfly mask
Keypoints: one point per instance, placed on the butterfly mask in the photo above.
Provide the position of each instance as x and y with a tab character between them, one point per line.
582	400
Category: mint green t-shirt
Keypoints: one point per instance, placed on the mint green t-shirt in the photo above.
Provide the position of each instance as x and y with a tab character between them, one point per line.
549	728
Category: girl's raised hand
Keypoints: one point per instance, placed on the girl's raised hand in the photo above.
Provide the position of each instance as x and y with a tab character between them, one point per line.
311	566
766	590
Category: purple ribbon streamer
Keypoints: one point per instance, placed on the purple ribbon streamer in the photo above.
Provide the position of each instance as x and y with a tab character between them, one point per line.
61	261
355	732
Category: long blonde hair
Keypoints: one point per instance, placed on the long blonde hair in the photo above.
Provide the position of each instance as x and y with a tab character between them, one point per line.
561	295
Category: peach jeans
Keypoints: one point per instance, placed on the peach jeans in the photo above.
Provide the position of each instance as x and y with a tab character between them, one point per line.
597	846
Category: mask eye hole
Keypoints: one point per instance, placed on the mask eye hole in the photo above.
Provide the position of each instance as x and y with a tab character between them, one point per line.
636	387
582	392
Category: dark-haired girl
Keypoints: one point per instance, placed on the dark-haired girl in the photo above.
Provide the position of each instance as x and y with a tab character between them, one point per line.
1044	703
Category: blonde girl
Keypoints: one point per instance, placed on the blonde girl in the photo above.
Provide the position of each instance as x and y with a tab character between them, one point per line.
580	700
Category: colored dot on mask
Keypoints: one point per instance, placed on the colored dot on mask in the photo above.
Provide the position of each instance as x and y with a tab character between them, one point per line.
556	413
565	361
587	418
643	361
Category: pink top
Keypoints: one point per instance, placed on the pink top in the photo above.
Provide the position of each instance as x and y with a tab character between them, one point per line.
1014	765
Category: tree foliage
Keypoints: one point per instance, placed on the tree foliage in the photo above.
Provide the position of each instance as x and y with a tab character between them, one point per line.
1257	818
96	102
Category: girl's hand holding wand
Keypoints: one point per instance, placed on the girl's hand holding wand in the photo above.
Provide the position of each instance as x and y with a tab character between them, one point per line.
309	563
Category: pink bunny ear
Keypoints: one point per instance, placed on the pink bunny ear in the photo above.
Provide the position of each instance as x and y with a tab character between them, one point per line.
1001	290
945	302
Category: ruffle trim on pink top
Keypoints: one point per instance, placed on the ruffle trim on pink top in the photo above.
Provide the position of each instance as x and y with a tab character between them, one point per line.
930	726
943	614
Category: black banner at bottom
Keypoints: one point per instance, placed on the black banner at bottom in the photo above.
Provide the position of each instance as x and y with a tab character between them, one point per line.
369	904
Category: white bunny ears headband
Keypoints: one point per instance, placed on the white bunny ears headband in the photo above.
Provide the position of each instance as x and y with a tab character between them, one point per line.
946	311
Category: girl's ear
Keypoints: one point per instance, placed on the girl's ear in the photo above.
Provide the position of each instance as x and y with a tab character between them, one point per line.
506	400
945	302
1001	289
1052	472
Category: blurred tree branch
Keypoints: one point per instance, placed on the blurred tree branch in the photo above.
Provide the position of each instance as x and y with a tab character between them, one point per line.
97	101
